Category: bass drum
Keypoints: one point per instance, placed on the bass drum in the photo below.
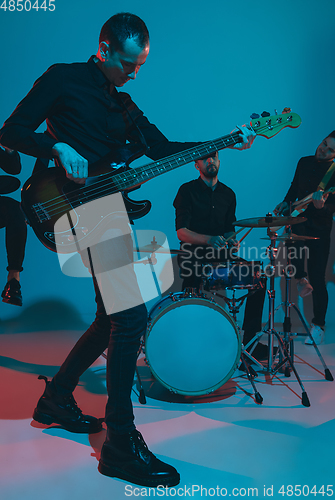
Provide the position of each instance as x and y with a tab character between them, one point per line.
192	345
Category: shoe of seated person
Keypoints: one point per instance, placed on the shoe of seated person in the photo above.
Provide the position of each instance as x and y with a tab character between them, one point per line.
64	411
261	352
318	333
127	457
11	294
304	287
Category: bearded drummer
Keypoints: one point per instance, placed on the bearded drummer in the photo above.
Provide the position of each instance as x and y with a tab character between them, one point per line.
205	213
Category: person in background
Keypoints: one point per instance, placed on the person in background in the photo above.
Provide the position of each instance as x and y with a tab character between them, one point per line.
309	178
12	219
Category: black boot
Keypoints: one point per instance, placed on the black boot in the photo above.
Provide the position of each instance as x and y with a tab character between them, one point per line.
127	457
11	294
63	410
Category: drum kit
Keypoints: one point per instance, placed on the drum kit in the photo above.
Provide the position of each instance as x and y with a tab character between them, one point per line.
193	345
8	184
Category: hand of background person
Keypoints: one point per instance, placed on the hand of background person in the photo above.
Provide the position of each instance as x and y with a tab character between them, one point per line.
234	246
319	198
281	208
216	241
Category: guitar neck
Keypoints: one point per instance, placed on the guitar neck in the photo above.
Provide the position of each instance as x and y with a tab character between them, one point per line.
139	175
267	126
301	205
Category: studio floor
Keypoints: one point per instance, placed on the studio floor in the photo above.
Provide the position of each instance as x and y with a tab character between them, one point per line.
223	444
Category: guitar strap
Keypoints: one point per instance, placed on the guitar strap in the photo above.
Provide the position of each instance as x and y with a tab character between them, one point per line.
42	163
326	177
142	138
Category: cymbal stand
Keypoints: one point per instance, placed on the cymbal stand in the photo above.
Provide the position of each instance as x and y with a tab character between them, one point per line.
270	331
234	307
287	334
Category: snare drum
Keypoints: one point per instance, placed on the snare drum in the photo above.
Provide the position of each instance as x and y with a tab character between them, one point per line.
192	344
233	274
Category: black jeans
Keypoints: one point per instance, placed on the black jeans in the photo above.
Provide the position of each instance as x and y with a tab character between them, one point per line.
13	220
317	257
120	333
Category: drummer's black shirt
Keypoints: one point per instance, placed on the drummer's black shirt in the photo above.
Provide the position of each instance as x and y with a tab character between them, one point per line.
203	210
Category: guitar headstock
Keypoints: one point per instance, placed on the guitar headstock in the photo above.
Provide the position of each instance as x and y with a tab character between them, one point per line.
269	126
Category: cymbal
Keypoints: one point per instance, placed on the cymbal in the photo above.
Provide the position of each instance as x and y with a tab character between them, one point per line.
293	237
269	221
8	184
157	249
10	162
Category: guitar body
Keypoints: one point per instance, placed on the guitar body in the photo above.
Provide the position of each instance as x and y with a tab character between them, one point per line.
49	195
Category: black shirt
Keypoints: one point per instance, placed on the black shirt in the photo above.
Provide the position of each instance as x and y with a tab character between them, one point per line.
203	210
74	100
308	175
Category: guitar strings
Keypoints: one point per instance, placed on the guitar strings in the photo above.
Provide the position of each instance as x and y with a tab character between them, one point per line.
120	180
143	169
50	210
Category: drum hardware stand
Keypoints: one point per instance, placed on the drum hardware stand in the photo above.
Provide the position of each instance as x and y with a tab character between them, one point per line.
141	394
287	334
276	223
234	308
286	357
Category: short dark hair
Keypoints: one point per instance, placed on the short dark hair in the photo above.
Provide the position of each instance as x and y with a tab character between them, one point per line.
332	134
122	26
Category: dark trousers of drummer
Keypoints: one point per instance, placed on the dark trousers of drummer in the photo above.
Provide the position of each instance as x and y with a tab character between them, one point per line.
316	253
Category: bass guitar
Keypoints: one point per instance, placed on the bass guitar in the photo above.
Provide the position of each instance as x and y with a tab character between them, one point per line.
49	196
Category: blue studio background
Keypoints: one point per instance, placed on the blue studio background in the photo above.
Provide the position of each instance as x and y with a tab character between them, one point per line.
210	66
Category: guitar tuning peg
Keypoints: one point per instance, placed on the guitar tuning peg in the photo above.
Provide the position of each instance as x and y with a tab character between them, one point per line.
264	114
254	116
286	110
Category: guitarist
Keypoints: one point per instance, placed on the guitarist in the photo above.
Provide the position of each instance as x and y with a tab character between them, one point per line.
85	117
313	174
